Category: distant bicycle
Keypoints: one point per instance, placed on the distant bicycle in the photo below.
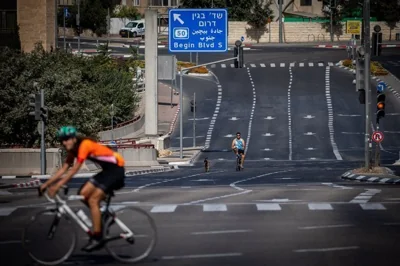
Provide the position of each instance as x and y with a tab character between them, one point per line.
39	235
238	162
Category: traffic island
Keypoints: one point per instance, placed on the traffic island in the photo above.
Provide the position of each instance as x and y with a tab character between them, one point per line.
380	175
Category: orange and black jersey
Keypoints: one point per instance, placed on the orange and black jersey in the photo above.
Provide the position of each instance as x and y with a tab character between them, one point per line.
95	152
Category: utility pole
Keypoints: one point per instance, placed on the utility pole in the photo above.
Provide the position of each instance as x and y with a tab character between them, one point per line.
56	24
280	22
78	24
42	136
331	19
194	120
64	15
112	121
367	83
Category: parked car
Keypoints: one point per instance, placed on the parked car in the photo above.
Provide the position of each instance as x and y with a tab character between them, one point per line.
133	29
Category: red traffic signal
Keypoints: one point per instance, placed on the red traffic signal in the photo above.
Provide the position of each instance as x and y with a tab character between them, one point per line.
380	107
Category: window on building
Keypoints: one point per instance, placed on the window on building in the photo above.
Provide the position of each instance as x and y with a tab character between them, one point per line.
306	2
136	2
164	3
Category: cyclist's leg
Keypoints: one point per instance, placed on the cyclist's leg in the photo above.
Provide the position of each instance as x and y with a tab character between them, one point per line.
242	160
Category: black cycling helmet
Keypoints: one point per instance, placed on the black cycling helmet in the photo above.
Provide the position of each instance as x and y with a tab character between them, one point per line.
238	133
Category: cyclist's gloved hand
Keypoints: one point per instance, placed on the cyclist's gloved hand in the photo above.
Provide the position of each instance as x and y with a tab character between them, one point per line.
41	190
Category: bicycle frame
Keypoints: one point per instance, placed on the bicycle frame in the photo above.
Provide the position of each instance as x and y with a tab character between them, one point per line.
63	208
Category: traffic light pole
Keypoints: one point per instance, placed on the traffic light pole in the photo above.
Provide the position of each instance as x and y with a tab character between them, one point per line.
194	120
42	139
367	85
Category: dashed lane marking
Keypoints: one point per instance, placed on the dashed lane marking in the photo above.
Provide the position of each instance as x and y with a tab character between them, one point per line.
330	114
290	114
253	107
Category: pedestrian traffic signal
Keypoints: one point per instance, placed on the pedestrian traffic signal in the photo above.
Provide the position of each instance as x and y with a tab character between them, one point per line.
34	103
380	106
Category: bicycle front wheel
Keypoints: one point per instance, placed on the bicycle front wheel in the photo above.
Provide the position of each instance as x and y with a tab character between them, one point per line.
132	235
49	237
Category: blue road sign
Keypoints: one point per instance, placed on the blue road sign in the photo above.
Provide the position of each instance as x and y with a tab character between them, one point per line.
381	86
242	38
66	12
198	30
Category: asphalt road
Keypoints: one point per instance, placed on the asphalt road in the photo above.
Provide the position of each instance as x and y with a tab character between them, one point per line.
301	118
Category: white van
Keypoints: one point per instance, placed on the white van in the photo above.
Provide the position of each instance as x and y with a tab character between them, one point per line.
133	29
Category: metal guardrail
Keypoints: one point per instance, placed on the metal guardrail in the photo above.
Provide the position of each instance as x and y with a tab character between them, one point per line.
124	123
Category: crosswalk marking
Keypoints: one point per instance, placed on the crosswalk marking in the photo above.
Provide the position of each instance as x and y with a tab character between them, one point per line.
320	64
272	65
163	208
301	64
320	206
310	64
213	66
223	65
7	211
214	208
262	65
330	64
291	64
232	65
282	64
268	207
252	65
372	206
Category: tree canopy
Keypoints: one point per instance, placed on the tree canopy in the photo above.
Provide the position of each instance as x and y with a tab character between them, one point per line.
78	91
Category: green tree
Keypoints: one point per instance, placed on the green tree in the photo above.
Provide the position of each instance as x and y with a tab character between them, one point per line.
258	19
388	11
129	12
78	91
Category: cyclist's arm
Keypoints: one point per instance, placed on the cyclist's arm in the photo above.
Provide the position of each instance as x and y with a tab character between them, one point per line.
70	174
233	144
56	176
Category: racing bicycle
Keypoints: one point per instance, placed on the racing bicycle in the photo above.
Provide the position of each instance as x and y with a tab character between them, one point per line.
50	237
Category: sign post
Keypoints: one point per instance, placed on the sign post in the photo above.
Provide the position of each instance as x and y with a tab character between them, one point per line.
65	16
200	31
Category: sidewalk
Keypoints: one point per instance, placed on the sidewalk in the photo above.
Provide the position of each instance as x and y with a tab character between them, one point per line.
189	157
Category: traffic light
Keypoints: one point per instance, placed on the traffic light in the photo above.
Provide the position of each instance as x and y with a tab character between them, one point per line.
238	54
35	103
380	106
192	106
44	113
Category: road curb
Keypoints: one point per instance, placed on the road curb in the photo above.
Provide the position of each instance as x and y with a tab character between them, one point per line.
370	179
30	184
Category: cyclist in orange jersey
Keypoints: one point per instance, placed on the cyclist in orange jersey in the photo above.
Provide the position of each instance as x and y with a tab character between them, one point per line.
111	177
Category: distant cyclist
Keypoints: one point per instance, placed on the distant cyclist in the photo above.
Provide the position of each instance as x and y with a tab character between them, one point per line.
95	189
238	146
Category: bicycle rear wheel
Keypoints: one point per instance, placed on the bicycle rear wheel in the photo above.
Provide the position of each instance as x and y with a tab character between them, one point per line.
49	237
137	246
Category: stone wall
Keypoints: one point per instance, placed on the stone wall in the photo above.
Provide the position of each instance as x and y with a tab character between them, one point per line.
36	21
295	32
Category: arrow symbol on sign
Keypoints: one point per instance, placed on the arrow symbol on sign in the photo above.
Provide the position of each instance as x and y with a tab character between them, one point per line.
177	17
234	118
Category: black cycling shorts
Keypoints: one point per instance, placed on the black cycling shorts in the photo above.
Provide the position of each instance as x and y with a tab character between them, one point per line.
110	179
240	151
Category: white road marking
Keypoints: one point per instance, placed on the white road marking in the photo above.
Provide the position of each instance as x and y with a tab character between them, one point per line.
6	211
234	118
310	64
324	226
320	64
252	65
268	207
216	112
352	133
228	136
233	185
372	206
201	256
365	196
168	180
218	197
292	64
309	134
215	208
223	65
301	64
309	117
290	114
310	149
268	135
222	232
330	64
384	180
267	149
320	206
330	114
282	65
269	118
272	65
10	242
251	112
163	208
348	115
213	66
325	249
262	65
232	65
